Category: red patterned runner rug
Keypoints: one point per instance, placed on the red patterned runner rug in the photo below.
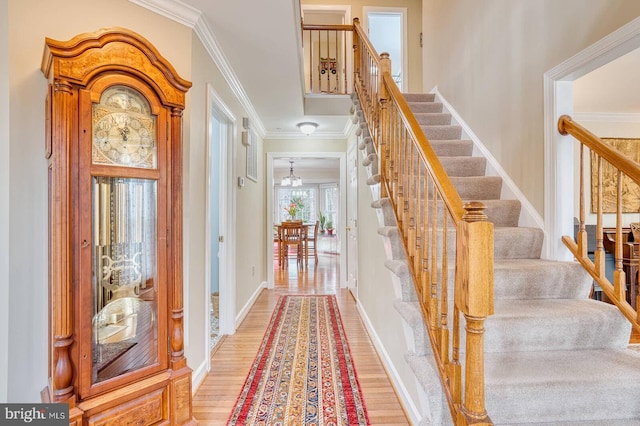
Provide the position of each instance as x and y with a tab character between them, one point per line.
303	373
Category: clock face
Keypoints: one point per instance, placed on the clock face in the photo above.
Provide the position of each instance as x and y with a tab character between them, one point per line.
124	130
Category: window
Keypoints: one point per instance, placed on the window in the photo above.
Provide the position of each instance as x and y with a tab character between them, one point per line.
329	202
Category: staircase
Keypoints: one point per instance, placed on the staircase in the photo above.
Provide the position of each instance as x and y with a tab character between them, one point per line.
552	355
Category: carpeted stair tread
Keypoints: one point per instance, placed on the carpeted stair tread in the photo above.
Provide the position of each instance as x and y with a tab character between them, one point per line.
517	243
499	212
502	212
433	118
555	325
418	107
540	279
562	386
464	166
452	147
400	268
419	97
442	132
478	187
412	315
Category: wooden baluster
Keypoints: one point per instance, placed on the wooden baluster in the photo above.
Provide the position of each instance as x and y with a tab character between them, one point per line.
424	272
599	251
582	233
410	207
433	301
474	298
619	279
444	299
454	370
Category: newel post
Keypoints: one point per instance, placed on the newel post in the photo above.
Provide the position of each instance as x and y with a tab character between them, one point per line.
474	298
383	130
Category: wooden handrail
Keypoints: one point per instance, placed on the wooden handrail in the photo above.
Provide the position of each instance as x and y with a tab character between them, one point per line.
566	126
616	291
327	27
451	198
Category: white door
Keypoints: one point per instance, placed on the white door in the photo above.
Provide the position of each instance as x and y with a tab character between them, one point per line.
352	220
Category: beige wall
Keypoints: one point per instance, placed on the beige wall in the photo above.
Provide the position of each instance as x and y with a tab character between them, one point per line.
488	59
414	10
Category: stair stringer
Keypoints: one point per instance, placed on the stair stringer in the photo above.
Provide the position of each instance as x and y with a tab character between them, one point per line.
419	356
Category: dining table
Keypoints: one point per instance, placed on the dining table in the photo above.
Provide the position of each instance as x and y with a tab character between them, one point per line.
278	237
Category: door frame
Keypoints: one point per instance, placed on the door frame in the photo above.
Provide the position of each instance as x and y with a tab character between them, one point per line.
405	48
342	156
227	198
558	149
351	244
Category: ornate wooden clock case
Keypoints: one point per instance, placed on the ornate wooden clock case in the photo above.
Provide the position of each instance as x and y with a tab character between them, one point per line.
114	143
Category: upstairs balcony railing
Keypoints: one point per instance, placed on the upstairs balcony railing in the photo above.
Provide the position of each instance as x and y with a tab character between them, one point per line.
619	193
327	58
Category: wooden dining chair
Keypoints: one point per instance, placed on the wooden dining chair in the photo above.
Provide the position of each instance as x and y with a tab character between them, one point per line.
292	236
311	242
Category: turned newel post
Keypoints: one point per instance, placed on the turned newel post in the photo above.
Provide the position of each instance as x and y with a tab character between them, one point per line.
177	299
474	298
383	130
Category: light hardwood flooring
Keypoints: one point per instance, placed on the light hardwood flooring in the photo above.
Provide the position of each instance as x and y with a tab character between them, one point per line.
232	358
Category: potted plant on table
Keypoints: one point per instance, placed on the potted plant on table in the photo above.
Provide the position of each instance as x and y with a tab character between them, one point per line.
294	208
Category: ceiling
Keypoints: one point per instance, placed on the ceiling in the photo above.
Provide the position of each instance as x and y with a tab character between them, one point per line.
261	56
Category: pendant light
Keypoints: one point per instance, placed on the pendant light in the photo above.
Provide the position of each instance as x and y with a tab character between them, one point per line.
291	180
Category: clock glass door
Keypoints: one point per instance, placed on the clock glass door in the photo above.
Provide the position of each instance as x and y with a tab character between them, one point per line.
125	254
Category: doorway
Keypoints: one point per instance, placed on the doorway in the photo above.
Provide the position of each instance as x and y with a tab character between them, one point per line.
387	30
313	179
219	276
559	156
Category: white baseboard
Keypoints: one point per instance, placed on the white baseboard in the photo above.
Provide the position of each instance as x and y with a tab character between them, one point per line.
197	376
529	216
405	399
245	309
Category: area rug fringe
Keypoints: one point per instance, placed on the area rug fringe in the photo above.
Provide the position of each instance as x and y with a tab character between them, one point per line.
303	373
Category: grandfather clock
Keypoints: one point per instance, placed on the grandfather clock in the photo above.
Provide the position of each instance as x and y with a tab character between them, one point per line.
114	144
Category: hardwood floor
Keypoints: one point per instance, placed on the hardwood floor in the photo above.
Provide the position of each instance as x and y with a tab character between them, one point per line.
232	359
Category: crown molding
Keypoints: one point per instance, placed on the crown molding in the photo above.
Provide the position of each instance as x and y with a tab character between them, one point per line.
172	9
607	117
191	17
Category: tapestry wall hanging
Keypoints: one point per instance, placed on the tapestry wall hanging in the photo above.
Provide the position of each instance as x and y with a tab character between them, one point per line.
630	190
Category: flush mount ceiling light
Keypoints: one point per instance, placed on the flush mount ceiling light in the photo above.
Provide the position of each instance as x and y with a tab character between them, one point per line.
307	127
291	179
